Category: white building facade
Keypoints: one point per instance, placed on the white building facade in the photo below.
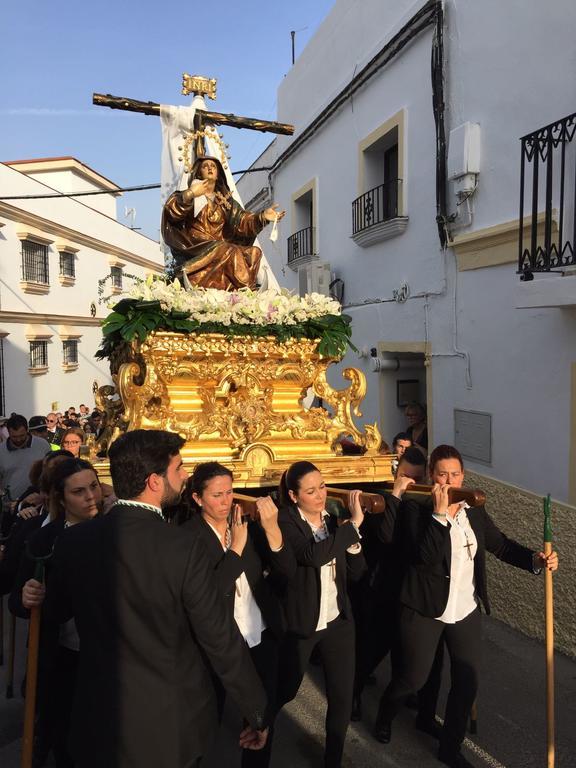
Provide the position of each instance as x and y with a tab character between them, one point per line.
53	253
429	264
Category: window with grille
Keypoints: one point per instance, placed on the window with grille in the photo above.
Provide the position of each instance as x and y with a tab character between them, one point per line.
116	276
67	265
34	262
38	354
70	350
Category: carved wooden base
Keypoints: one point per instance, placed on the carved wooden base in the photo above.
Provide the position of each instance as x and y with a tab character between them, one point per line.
239	401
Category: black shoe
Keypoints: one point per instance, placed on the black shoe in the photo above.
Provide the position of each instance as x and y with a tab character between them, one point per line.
454	760
383	730
429	726
371	680
356	714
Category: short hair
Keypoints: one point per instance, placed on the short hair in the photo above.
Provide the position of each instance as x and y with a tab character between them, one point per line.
442	452
136	455
58	479
420	407
75	430
17	421
401	436
290	480
413	456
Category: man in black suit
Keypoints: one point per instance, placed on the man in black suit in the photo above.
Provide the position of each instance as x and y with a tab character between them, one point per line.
147	610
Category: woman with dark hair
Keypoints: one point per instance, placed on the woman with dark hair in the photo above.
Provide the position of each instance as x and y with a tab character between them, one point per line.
251	566
317	605
209	233
75	497
445	583
31	514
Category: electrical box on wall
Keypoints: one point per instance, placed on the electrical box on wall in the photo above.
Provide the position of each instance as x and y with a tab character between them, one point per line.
314	278
464	150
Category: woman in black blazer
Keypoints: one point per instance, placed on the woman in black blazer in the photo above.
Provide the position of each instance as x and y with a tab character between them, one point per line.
251	566
445	546
318	609
75	497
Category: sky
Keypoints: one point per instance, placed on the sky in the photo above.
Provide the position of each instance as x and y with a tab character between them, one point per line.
55	55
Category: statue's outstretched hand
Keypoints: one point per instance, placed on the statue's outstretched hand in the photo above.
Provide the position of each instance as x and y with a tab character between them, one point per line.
272	214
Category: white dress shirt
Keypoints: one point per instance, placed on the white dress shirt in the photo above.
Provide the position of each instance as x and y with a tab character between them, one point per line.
247	615
328	590
462	599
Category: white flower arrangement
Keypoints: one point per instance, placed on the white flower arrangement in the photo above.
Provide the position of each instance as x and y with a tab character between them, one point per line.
243	307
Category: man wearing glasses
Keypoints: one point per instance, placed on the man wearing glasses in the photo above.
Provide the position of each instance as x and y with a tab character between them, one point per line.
54	432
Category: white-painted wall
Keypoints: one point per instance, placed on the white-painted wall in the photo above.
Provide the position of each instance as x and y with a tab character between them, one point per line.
64	310
502	74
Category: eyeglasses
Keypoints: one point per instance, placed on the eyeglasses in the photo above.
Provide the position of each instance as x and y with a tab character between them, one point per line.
71	442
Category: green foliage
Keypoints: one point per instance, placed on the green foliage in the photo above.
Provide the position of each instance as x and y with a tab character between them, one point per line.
134	319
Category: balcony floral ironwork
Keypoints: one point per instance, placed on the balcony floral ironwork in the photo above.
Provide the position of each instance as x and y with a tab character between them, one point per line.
301	244
547	173
376	206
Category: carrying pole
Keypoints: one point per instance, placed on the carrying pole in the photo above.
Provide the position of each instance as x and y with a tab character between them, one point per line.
549	609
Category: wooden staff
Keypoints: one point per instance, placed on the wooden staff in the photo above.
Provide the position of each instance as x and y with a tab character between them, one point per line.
11	657
549	610
248	505
373	503
32	671
472	496
1	630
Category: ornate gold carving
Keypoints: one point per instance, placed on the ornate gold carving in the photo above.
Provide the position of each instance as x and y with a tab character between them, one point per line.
198	85
240	400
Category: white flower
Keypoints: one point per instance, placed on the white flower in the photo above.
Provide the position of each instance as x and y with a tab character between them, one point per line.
243	307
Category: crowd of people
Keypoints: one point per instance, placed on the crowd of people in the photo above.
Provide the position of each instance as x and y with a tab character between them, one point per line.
161	598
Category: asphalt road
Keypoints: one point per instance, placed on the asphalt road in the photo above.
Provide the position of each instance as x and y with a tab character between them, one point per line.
511	717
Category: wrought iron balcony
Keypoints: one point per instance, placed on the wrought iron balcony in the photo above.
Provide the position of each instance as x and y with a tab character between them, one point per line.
547	178
301	244
376	206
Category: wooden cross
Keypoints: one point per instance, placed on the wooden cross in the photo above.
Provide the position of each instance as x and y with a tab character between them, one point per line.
199	86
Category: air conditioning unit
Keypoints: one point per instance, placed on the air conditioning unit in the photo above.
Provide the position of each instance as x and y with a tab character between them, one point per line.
314	278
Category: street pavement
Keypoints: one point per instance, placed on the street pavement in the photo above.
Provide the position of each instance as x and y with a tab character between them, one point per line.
511	717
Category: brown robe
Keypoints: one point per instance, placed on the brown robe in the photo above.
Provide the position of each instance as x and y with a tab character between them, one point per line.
214	249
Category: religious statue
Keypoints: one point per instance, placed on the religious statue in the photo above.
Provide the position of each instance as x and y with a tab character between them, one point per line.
209	233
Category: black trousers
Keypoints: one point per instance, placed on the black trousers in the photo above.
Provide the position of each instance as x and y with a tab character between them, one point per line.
265	659
419	638
56	687
336	648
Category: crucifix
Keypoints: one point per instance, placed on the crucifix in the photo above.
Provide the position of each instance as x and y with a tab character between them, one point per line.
210	235
468	546
199	86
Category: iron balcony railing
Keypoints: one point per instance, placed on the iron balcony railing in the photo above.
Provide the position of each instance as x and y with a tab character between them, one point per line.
547	179
300	244
376	206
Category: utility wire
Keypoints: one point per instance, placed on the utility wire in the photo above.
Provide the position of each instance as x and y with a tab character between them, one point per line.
139	188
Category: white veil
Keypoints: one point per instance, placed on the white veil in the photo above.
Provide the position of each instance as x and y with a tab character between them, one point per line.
176	122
